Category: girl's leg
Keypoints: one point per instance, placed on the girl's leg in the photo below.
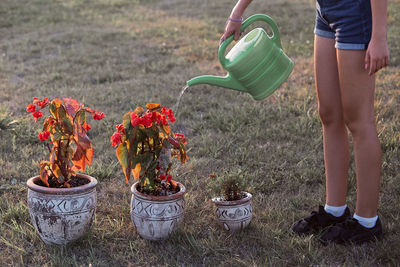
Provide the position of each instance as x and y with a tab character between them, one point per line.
357	91
335	137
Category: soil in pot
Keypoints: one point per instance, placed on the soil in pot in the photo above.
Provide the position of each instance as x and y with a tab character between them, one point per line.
234	198
74	182
163	189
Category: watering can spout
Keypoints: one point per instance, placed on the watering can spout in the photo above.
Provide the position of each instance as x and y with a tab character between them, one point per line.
227	82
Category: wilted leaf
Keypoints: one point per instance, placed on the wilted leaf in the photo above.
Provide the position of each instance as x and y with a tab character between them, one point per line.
152	106
136	171
138	110
71	105
81	137
82	157
123	158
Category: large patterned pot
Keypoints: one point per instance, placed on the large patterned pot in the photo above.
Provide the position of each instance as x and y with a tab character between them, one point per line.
234	215
155	217
62	215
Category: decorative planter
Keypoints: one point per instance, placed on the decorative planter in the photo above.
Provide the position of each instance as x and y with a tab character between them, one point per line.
234	215
155	217
62	215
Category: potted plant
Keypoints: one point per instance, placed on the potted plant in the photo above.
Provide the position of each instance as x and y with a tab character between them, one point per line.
233	204
145	149
61	201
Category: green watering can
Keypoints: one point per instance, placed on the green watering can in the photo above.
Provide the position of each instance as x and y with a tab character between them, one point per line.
256	64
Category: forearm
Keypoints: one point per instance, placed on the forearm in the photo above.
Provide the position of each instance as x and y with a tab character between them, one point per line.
379	13
239	8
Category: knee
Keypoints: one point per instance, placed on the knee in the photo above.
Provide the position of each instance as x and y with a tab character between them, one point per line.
358	124
329	115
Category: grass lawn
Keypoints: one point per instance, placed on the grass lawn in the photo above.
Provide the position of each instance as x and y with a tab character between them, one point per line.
113	55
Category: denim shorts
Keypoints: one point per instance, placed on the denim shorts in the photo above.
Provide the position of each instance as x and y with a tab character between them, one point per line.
349	22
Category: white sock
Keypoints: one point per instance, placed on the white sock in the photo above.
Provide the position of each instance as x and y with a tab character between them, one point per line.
366	222
334	210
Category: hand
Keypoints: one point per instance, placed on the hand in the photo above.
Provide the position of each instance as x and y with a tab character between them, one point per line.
232	27
377	55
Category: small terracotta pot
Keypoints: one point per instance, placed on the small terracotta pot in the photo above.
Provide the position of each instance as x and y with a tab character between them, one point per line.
62	215
156	217
234	215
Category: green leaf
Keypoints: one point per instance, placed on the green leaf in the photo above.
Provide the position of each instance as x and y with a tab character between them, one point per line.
126	120
57	136
80	117
61	112
67	125
53	109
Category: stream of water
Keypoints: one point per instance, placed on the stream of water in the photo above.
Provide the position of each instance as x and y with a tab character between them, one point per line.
176	106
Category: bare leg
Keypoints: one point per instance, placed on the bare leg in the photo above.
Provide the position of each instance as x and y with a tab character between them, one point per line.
357	90
336	147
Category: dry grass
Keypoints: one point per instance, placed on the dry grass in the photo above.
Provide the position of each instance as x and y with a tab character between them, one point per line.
116	54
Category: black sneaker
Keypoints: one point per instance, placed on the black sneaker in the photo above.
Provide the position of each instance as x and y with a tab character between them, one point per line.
351	231
318	220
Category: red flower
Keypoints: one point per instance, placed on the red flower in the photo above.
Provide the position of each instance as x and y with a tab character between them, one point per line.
162	176
88	127
120	128
43	102
35	100
146	122
163	120
44	135
37	115
180	137
164	110
116	138
98	116
171	117
135	119
154	116
169	177
31	108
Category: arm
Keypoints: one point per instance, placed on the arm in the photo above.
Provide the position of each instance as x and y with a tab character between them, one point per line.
377	55
233	27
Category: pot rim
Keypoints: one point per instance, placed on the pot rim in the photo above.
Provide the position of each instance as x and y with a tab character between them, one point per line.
181	192
233	202
61	191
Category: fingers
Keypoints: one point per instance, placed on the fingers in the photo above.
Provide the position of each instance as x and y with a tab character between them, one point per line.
237	35
373	65
367	60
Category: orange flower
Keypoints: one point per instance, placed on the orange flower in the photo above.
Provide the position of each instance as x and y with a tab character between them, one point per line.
31	108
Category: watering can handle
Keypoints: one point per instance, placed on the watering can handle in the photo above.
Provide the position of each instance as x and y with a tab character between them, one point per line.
245	24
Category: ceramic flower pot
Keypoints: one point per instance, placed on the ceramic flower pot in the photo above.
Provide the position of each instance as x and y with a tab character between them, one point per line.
155	217
62	215
234	215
